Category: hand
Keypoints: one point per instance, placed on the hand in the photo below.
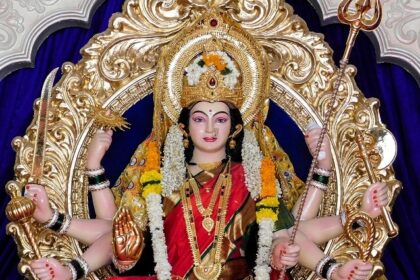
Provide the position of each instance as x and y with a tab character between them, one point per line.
374	198
353	270
128	239
46	269
98	147
312	135
284	254
38	195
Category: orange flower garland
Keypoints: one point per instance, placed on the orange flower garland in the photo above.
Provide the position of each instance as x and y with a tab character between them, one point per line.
214	59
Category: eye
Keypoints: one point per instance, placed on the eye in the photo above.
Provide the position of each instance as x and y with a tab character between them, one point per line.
221	120
198	119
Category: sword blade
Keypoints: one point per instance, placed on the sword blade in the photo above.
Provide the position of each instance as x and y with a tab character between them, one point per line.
39	149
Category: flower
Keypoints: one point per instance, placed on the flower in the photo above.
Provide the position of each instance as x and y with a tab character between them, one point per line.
214	59
266	213
268	178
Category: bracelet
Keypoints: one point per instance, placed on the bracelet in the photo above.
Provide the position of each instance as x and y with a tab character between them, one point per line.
323	172
95	172
93	180
83	264
320	178
327	267
320	265
331	270
59	223
53	219
66	224
78	268
122	267
72	271
99	186
318	185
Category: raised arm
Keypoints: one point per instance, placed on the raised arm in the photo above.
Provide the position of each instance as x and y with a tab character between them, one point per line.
103	199
315	194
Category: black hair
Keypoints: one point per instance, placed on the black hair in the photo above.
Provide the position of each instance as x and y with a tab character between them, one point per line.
235	117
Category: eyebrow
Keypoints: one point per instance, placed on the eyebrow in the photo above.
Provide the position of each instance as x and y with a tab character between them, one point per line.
220	112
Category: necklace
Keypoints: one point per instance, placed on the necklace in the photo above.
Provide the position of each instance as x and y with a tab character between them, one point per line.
208	222
212	267
207	167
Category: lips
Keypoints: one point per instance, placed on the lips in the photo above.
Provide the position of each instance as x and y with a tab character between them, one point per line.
210	139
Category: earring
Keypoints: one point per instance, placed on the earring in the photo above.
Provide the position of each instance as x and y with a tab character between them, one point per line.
185	141
232	141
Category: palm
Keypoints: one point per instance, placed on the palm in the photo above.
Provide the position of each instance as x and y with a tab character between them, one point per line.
128	240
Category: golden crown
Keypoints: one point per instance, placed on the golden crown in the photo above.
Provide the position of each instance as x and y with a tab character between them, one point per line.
213	59
212	76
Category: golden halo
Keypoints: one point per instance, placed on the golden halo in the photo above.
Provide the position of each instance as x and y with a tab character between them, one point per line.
192	41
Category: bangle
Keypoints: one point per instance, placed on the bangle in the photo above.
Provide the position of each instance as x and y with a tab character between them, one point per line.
83	264
78	268
331	270
66	224
57	225
327	267
53	219
122	267
93	180
320	178
318	185
95	172
99	186
320	265
323	172
72	271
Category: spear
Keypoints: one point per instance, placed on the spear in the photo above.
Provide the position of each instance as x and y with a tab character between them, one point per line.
357	20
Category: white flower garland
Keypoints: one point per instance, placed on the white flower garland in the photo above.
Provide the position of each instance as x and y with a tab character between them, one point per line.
173	169
265	238
251	159
155	214
194	71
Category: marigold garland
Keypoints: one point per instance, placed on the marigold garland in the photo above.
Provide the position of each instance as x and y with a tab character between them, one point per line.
214	59
271	202
268	178
151	179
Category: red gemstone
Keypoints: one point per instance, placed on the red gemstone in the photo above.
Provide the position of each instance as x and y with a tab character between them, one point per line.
212	82
213	22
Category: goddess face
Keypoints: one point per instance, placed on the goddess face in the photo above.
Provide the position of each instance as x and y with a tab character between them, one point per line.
209	126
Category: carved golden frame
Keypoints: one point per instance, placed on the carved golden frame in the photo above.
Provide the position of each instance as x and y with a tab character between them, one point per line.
117	70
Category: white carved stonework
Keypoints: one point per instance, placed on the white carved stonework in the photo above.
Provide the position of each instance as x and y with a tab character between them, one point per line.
397	39
25	23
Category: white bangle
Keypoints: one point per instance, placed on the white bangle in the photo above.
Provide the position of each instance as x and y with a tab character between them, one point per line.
72	271
95	172
322	172
321	264
100	186
121	267
318	185
66	225
53	219
332	268
84	265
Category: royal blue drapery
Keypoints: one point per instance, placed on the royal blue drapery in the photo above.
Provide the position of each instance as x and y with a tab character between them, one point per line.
393	86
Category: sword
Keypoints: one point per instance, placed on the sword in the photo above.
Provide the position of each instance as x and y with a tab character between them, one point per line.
20	209
39	149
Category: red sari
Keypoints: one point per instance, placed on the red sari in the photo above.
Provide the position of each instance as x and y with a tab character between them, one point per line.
240	216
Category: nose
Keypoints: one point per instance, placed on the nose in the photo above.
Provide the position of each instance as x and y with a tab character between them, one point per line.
211	129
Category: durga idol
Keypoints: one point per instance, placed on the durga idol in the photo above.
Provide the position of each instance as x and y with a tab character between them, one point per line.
207	189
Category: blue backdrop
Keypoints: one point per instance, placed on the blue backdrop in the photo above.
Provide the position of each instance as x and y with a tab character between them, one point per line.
393	86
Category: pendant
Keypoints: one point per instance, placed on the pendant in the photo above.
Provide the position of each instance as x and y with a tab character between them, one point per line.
208	224
208	272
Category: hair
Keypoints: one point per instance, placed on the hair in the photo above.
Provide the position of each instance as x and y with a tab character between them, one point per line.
236	118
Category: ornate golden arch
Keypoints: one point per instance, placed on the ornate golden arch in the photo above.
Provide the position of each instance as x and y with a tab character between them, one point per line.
117	70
